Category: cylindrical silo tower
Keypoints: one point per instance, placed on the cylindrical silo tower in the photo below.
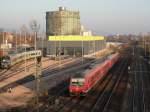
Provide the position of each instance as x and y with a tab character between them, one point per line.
63	22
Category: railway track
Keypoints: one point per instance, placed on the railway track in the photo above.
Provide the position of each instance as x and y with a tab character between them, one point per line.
62	96
84	104
61	89
46	71
51	72
136	91
91	97
3	71
115	99
104	101
146	85
14	70
67	100
138	103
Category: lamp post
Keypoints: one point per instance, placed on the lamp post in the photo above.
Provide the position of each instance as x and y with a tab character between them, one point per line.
25	54
82	50
94	49
55	49
3	43
16	40
144	45
42	37
20	38
60	52
36	73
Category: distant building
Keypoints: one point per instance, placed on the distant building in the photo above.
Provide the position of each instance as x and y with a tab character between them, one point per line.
6	40
66	36
75	45
6	37
85	32
6	46
63	22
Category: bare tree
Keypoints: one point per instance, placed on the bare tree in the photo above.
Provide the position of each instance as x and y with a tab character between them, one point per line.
24	29
24	32
1	30
1	35
35	27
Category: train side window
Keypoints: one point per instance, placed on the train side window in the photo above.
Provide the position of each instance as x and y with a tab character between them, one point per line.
33	54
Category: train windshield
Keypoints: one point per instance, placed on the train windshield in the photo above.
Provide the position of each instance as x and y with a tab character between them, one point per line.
77	82
6	58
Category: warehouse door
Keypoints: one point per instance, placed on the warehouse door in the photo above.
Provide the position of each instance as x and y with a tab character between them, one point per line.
74	51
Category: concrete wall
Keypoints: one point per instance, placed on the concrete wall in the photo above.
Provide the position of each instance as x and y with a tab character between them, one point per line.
75	47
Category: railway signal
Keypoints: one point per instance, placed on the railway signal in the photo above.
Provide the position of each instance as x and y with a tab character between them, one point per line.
38	79
38	67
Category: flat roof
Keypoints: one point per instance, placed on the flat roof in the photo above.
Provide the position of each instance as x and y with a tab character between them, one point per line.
75	38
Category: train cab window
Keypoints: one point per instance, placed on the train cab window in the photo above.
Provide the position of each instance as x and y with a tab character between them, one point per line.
33	54
6	58
77	82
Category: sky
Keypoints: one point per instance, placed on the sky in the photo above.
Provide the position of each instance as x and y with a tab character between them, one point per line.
100	16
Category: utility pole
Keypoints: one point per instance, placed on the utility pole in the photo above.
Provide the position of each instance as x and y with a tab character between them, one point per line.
144	46
20	38
60	52
133	50
35	27
56	50
25	54
16	40
94	49
74	55
82	50
38	80
36	75
42	37
3	43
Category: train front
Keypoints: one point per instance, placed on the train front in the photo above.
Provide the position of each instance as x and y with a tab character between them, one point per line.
76	87
5	62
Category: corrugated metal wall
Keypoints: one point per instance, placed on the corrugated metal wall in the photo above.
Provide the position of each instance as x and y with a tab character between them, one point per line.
75	47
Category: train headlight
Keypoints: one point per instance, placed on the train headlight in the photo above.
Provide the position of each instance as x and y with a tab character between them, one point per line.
3	60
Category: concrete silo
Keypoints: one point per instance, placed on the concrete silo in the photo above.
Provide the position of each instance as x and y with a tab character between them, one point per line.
63	22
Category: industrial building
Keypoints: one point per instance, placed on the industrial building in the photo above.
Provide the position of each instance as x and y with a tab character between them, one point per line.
75	45
63	32
63	22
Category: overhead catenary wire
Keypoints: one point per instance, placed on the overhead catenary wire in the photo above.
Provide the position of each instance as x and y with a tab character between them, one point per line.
82	50
16	40
3	42
36	74
20	39
25	53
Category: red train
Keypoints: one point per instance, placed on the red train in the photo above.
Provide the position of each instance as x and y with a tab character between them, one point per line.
82	82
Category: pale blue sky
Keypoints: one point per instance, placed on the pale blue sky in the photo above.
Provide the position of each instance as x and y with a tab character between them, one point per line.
101	16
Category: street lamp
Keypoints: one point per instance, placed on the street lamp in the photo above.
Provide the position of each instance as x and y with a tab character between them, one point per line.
94	48
16	40
60	52
20	38
3	43
82	50
25	54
